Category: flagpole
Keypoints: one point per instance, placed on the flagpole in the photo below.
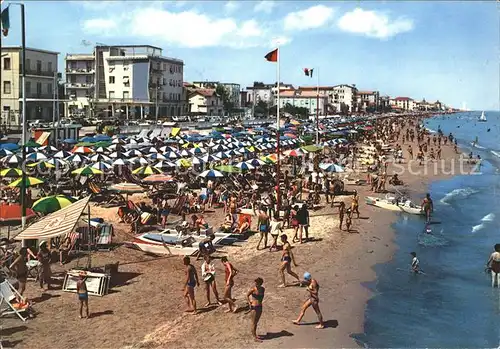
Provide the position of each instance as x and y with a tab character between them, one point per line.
25	119
317	107
278	191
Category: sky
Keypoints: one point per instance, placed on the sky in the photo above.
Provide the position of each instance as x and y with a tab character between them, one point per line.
442	50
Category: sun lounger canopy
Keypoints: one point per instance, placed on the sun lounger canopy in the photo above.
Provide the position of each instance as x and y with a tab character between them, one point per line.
56	224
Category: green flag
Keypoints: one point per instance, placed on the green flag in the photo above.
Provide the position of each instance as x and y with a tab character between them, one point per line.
5	21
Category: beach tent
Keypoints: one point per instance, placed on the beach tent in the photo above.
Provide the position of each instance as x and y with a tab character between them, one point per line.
59	223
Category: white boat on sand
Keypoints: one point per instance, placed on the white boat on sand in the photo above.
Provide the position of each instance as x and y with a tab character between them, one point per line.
394	204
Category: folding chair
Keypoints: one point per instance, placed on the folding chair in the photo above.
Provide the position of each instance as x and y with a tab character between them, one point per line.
9	303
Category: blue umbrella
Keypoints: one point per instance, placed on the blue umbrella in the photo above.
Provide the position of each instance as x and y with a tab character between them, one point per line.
9	146
5	152
88	139
102	138
329	167
211	174
70	141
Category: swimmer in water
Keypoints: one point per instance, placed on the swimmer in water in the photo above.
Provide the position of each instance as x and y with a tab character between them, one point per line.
427	207
415	263
313	300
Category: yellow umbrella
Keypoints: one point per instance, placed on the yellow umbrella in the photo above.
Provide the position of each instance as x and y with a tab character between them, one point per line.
29	182
11	172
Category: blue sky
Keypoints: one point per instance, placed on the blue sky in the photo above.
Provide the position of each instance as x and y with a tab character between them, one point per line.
435	50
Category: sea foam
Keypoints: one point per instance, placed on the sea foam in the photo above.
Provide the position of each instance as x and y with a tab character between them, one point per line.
488	218
461	193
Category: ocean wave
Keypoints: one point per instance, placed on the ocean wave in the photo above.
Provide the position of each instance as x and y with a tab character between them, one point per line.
490	217
497	154
461	193
477	228
431	130
477	146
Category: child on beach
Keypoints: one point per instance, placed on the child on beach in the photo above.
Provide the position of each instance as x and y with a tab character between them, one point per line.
83	295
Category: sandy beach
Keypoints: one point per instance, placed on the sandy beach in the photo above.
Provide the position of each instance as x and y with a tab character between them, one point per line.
145	308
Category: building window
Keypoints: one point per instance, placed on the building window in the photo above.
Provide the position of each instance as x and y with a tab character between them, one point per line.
111	79
6	63
39	88
126	81
49	88
88	79
28	86
49	67
111	94
28	64
126	95
6	87
38	67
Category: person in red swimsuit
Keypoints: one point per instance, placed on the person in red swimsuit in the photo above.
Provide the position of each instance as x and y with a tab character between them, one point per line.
230	273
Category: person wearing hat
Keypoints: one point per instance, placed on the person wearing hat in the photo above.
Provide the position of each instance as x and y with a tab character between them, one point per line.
44	272
313	300
83	295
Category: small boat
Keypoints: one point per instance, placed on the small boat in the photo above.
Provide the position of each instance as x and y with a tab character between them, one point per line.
394	204
170	242
482	118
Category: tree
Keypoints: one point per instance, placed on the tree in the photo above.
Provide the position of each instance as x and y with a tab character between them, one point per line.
298	112
223	94
344	109
261	108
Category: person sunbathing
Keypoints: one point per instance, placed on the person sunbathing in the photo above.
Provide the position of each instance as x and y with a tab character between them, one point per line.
228	222
244	227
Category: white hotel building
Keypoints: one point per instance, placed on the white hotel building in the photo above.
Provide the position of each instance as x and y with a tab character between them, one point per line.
130	81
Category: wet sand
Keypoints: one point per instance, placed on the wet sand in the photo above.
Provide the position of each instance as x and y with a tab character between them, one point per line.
146	309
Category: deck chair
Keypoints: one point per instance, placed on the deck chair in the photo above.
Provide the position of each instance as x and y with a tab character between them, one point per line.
11	302
105	238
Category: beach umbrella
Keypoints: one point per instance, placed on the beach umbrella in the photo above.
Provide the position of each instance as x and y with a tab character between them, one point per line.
48	149
70	141
127	188
117	155
87	171
146	170
294	152
183	163
196	161
312	148
159	178
11	172
102	138
100	150
52	203
30	149
56	162
82	150
115	147
132	153
330	167
62	154
171	155
222	155
77	158
197	151
228	169
9	146
35	157
243	166
149	150
167	148
103	166
185	153
42	165
256	162
219	147
156	156
164	165
5	152
13	160
29	182
99	157
118	141
211	174
120	162
209	158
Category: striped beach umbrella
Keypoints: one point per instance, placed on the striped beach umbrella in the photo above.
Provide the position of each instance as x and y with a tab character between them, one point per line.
164	165
52	203
183	163
209	158
99	157
62	154
82	150
256	162
146	170
42	165
294	152
77	159
29	182
330	167
127	188
103	166
5	152
159	178
11	172
244	166
197	151
171	155
87	171
56	162
120	162
156	156
13	160
211	174
133	152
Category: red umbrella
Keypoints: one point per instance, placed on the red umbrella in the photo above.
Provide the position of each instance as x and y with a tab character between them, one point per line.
11	213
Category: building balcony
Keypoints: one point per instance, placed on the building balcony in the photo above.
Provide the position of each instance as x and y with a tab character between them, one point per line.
82	57
79	85
33	95
36	72
80	71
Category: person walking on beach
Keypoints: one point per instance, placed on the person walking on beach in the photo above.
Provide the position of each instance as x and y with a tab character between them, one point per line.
275	229
83	294
263	225
303	219
355	204
230	273
427	207
341	214
43	257
190	283
312	300
208	275
286	259
255	296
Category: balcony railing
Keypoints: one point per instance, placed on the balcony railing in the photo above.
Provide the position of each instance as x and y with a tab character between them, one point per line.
37	72
37	95
80	71
78	85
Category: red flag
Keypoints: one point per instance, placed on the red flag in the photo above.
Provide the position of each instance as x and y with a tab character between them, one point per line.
272	56
308	72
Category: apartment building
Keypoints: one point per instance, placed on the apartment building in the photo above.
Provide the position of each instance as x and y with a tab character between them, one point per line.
261	92
304	99
336	96
125	81
367	100
204	101
233	89
404	103
41	84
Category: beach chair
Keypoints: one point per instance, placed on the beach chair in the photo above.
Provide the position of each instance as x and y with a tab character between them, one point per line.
105	238
11	302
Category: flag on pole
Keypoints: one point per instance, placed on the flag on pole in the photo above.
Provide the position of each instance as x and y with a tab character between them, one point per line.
308	72
272	56
5	21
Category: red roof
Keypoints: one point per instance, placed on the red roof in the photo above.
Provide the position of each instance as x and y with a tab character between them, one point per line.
403	99
205	92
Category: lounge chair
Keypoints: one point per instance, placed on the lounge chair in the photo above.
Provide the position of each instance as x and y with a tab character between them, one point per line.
11	302
105	197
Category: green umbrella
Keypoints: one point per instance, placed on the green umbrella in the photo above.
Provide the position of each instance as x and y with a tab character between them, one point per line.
228	169
11	172
87	171
29	182
52	203
312	148
32	144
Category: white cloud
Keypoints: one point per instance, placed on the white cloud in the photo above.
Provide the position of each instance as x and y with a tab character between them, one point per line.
312	17
231	6
184	29
374	24
264	6
99	26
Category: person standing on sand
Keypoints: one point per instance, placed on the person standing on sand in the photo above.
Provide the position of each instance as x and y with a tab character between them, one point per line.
230	273
255	296
263	226
286	259
208	275
190	283
313	300
341	214
43	256
83	294
355	204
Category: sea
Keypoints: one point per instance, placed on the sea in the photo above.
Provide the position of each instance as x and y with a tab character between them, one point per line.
453	304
